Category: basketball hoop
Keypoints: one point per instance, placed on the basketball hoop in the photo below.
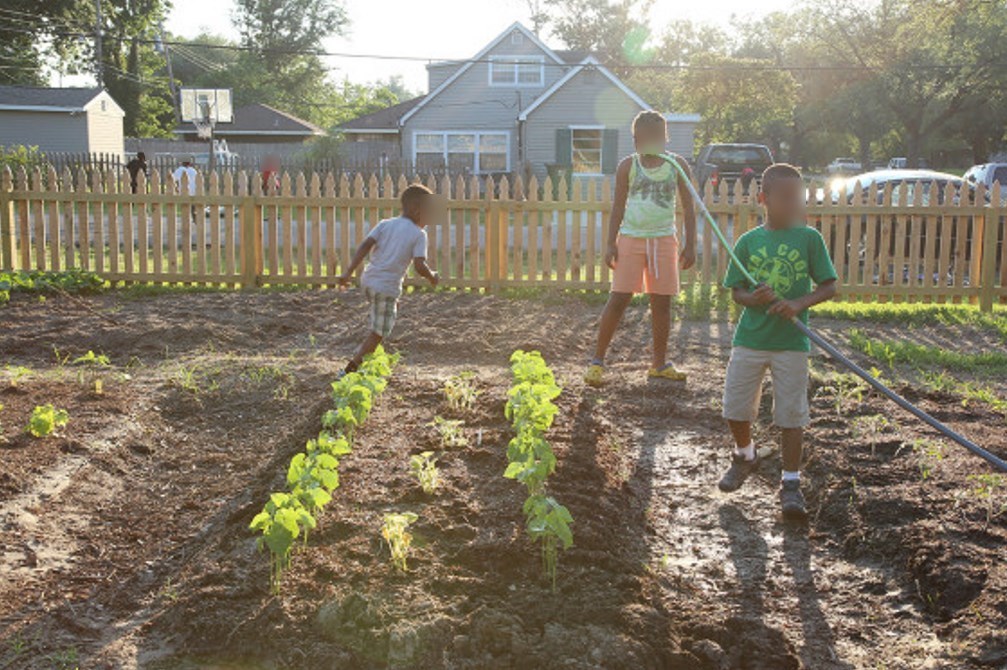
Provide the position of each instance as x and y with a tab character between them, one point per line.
204	128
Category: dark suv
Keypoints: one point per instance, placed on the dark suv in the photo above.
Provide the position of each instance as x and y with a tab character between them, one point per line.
732	163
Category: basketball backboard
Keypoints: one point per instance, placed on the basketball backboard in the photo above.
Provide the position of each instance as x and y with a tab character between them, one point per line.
211	105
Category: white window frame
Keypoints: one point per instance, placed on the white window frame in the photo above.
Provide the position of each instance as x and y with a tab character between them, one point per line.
444	134
519	60
601	151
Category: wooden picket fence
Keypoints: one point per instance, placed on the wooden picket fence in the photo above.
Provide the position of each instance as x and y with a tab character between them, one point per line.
887	246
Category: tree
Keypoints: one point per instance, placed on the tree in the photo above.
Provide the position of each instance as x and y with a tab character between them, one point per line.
615	30
28	29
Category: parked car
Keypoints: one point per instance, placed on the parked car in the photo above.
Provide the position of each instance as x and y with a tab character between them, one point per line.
844	166
732	163
987	174
933	183
898	163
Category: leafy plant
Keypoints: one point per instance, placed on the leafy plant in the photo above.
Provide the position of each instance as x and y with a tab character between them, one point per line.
42	282
280	522
91	360
399	539
847	391
460	392
928	455
987	490
549	522
45	419
17	373
451	431
424	469
871	428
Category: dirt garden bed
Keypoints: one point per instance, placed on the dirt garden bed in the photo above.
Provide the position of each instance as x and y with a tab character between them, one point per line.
124	540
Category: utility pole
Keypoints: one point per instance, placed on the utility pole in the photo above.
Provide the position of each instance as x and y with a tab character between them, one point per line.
171	76
99	67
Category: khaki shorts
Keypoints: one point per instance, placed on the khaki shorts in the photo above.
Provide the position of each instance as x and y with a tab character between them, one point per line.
649	265
743	388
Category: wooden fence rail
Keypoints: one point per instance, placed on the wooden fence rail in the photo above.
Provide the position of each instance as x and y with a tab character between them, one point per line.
904	244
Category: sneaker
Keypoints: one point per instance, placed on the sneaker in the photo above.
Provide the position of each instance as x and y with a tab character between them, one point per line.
595	375
739	471
792	501
667	371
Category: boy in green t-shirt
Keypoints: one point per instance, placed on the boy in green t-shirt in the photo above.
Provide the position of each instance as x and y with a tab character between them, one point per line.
786	257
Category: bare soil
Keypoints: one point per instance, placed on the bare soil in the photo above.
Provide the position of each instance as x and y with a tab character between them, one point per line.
124	540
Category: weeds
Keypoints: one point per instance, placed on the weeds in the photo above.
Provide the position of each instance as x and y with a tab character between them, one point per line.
451	432
46	419
91	362
16	374
892	352
987	490
424	469
460	392
396	533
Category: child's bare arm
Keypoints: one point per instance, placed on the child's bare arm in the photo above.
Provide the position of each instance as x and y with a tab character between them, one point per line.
788	309
618	209
358	258
689	214
423	270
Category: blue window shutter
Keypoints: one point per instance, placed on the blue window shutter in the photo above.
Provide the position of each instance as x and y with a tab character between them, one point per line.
564	147
610	151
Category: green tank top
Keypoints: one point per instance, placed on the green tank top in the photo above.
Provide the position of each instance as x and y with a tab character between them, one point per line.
650	202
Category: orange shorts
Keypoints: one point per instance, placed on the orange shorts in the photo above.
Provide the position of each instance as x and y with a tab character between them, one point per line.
649	265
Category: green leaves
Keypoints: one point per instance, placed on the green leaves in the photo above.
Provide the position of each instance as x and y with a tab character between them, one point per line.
313	474
424	469
45	419
530	457
39	281
397	536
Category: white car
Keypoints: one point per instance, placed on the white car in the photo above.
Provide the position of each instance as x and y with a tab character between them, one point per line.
987	174
844	166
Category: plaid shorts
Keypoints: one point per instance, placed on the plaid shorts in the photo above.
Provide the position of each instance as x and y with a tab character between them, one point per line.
384	309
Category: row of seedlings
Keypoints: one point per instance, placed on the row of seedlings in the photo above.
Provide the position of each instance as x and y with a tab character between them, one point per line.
314	473
531	410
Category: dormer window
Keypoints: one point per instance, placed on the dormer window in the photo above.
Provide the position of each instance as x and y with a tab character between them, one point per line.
517	71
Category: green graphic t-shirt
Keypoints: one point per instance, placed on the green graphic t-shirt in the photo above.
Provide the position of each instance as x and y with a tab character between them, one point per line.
788	261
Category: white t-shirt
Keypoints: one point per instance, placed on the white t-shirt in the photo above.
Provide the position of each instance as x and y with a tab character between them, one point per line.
397	242
182	170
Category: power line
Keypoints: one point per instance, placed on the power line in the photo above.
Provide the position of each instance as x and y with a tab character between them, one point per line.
746	67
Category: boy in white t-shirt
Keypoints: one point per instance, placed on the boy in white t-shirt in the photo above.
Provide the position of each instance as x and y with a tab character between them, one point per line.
396	243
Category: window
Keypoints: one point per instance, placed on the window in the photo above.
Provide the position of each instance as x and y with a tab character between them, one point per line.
586	150
467	152
517	71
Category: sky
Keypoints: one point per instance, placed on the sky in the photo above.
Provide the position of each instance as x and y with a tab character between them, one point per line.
430	29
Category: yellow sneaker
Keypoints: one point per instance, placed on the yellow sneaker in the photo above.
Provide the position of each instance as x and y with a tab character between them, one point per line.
595	375
667	372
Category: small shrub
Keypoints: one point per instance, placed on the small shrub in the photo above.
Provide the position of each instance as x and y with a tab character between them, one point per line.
46	419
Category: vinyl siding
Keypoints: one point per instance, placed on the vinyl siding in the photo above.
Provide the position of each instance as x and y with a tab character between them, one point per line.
49	131
682	138
438	73
470	103
104	127
589	99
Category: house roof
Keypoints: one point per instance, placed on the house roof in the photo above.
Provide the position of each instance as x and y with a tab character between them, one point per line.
573	56
259	119
47	99
592	63
383	120
477	58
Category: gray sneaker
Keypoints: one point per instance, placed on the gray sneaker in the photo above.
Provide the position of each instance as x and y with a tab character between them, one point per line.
792	501
739	471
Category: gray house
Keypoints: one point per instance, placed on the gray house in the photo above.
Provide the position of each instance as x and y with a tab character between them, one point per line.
79	120
516	106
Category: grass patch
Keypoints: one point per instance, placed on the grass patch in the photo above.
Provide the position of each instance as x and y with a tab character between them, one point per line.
891	352
912	314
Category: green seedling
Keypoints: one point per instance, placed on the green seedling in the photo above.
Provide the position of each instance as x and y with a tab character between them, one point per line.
460	392
17	373
92	361
987	489
399	539
46	419
847	392
424	469
928	455
871	428
548	522
451	431
281	521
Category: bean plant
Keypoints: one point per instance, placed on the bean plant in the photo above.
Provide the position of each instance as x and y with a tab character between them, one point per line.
451	431
399	539
531	460
460	392
313	474
987	489
46	419
424	469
